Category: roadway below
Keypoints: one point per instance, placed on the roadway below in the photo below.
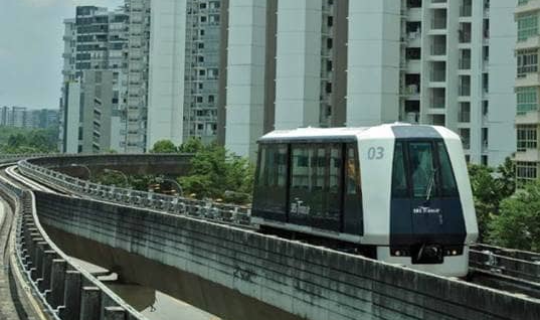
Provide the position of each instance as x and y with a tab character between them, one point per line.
154	305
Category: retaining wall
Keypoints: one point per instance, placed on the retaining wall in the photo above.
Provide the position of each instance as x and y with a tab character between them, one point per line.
302	280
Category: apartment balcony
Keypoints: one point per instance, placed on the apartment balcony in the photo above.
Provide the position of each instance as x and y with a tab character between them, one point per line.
530	155
530	43
465	64
438	51
439	23
485	146
464	37
531	117
437	106
465	11
527	6
411	92
413	66
528	79
464	117
464	91
413	39
414	14
438	4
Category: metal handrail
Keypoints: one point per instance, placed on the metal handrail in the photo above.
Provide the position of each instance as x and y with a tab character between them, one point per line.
207	209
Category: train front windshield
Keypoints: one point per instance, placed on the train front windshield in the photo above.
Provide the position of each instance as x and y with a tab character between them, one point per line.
422	169
426	214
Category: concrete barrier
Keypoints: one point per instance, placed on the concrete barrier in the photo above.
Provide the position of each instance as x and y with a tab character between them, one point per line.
299	280
169	164
51	276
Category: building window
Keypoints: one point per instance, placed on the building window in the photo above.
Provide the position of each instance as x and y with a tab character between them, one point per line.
527	26
527	137
526	172
527	62
527	99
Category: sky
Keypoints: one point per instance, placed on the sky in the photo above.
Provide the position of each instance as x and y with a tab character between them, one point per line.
31	49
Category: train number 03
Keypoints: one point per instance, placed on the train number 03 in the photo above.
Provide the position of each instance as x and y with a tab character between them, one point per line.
375	153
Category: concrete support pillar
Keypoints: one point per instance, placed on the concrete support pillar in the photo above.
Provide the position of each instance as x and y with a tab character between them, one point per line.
31	241
48	258
114	313
37	262
90	303
58	282
72	294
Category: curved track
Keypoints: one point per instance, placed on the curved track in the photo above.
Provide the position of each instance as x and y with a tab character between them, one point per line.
498	268
16	302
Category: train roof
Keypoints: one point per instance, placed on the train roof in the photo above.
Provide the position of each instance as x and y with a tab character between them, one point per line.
353	133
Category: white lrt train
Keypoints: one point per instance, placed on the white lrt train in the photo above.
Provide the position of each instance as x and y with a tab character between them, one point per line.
398	193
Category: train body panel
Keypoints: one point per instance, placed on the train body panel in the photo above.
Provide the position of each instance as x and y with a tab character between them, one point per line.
376	151
400	190
457	157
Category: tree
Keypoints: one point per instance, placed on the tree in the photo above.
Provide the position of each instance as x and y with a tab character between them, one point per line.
490	187
164	146
215	173
29	141
518	224
506	178
112	178
193	145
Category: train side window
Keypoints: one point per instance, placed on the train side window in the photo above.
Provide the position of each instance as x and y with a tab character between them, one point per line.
448	183
423	171
352	200
353	172
333	178
271	180
399	175
315	185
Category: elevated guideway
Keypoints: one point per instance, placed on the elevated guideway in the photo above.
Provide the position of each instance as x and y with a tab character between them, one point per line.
54	285
206	254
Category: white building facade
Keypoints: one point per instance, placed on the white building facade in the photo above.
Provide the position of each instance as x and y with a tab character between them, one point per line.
527	88
437	62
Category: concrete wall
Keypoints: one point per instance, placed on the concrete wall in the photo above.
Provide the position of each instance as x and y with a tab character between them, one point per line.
166	76
173	164
298	64
502	75
373	64
306	281
245	76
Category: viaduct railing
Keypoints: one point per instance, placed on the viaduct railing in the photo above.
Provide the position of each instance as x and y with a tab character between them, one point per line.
419	293
228	213
64	290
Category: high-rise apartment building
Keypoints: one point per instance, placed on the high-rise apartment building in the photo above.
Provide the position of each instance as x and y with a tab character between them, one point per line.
21	117
203	39
95	81
234	70
527	119
135	111
361	63
185	64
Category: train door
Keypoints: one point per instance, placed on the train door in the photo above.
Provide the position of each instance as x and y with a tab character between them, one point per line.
352	192
316	185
